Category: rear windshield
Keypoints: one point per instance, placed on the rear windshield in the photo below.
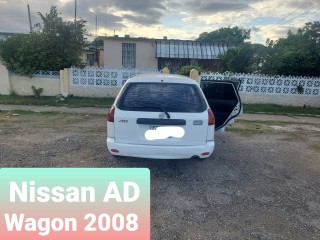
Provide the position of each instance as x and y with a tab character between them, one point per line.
172	97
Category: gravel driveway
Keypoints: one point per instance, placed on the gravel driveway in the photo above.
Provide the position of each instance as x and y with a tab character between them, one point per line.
263	181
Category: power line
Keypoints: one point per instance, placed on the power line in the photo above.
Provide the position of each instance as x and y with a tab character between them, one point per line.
302	13
291	19
282	19
288	15
311	14
298	15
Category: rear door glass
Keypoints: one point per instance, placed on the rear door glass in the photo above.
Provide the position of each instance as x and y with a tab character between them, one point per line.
172	97
223	99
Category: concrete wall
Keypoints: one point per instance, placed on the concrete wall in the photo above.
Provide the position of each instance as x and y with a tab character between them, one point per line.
146	58
112	54
5	87
293	100
101	58
98	92
145	53
22	85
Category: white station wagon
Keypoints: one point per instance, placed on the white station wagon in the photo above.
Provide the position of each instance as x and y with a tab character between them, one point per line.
169	117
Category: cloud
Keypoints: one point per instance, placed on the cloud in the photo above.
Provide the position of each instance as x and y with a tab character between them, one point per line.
182	19
142	19
144	12
208	7
267	19
14	14
141	6
270	32
116	14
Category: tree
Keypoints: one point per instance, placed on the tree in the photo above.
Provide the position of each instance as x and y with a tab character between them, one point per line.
298	54
312	30
97	42
56	45
231	36
247	58
22	53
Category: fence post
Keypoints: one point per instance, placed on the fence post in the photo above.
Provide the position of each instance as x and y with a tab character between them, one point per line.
5	86
194	74
64	82
166	70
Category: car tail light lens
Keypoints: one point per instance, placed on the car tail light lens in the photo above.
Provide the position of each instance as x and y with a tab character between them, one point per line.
115	150
110	116
211	119
205	154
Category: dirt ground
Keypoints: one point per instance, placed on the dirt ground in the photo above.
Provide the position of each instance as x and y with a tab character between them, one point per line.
262	182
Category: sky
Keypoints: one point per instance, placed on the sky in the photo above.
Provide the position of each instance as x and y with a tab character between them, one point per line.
176	19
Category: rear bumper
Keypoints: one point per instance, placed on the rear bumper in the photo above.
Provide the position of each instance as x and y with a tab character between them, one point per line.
159	152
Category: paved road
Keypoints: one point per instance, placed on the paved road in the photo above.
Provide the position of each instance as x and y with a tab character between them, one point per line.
261	186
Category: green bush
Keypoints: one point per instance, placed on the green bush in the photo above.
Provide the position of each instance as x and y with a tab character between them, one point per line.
37	91
194	64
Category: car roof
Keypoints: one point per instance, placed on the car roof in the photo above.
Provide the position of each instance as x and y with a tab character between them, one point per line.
172	78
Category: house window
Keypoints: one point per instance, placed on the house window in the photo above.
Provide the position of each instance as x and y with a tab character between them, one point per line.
129	55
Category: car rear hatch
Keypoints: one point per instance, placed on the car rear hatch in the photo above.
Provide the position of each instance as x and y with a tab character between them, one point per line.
144	107
224	100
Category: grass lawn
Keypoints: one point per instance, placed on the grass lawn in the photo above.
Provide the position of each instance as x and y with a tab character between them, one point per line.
55	101
279	109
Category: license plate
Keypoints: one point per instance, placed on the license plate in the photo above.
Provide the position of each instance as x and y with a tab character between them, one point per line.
153	127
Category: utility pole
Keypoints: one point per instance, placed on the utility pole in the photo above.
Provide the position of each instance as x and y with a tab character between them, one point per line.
29	18
75	10
96	25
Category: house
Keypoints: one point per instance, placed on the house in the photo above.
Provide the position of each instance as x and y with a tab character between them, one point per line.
146	53
93	56
5	35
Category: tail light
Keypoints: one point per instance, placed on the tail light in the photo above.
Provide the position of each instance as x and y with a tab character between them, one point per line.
205	154
211	119
110	116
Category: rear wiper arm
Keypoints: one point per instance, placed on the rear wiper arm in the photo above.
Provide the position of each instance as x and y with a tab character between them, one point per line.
159	107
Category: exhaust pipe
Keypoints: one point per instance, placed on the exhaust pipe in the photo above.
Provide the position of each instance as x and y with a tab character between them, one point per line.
196	157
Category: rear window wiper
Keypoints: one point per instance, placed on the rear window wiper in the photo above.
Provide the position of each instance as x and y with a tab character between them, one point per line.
158	107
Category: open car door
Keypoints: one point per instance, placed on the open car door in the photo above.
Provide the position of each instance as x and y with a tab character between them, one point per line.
224	100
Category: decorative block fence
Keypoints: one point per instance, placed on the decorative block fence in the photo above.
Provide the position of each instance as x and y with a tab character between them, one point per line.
299	91
102	82
103	77
47	74
251	83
